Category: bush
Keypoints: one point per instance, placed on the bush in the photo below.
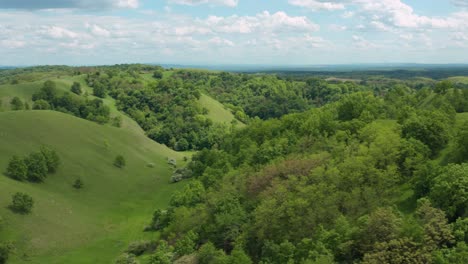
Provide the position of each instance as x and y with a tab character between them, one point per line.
137	248
52	159
41	105
76	88
37	167
78	184
21	203
17	169
16	103
119	161
5	250
126	259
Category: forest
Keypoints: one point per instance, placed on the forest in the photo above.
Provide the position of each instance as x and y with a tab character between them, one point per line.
357	167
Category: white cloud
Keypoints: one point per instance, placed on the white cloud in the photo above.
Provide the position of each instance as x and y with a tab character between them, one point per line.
361	43
98	31
57	32
261	23
230	3
74	4
317	5
217	41
12	44
462	3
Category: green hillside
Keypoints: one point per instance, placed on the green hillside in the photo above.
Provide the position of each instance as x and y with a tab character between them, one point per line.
94	224
216	111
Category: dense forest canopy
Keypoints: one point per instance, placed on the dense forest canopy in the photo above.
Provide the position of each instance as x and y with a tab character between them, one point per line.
355	167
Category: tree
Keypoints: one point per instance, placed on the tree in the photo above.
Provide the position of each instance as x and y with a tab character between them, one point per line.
17	169
187	244
99	91
16	103
52	159
431	128
48	92
76	88
21	203
37	167
443	86
78	184
4	252
158	74
41	105
450	190
119	161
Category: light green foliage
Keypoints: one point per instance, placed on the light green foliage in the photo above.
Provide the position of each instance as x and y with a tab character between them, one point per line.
16	104
187	244
21	203
41	105
163	254
126	258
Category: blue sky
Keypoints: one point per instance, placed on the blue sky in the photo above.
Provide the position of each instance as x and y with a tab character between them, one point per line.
267	32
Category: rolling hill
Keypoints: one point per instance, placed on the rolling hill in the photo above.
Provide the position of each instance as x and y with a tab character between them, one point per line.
94	224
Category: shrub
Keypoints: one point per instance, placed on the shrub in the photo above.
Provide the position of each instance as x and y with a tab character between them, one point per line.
5	250
117	121
52	159
126	259
21	203
41	105
76	88
78	184
119	161
17	169
37	167
16	103
137	248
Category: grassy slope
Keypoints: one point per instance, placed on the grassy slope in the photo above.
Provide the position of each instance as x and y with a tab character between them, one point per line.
94	224
216	110
459	79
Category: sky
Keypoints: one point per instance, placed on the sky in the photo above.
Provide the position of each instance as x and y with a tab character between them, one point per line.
238	32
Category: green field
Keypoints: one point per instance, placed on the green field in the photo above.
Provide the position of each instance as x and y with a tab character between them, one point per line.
94	224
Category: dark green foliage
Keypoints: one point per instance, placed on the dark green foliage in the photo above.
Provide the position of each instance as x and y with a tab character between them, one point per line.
52	159
37	167
460	153
5	250
17	169
450	190
431	128
78	184
158	74
119	161
76	88
21	203
16	103
99	91
48	98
